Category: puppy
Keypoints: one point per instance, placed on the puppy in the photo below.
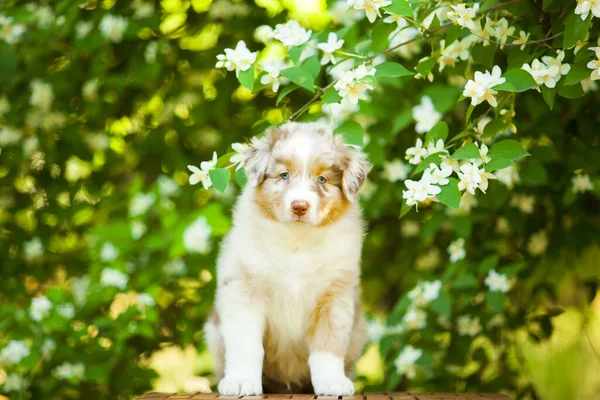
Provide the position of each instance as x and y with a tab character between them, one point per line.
288	275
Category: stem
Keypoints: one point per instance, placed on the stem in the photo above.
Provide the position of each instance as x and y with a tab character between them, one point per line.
520	44
308	104
343	53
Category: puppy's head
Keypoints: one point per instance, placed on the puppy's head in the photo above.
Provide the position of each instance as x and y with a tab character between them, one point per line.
303	174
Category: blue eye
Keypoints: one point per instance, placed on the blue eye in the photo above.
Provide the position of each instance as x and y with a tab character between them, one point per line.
322	180
285	176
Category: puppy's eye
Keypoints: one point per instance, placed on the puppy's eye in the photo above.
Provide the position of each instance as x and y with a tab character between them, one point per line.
285	176
322	180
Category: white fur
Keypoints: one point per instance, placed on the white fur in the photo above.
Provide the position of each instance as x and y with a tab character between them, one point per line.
270	275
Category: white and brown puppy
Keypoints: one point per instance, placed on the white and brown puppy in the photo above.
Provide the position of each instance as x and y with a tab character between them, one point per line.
287	305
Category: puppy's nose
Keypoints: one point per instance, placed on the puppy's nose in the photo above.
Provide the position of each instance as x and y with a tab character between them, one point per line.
299	207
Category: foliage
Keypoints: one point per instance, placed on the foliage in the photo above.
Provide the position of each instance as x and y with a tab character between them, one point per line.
107	252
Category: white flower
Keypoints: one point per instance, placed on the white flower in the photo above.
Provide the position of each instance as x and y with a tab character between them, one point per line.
503	31
9	32
113	27
400	41
90	89
463	15
523	38
439	176
341	13
328	48
415	318
375	331
523	202
202	174
83	28
79	289
582	183
468	326
555	65
14	383
483	153
67	371
238	59
291	33
339	112
196	237
238	157
589	85
350	87
263	34
140	203
419	191
48	347
458	50
273	76
595	64
144	301
44	17
480	89
42	95
175	267
456	250
151	52
9	136
371	7
167	186
66	310
425	115
416	153
509	176
40	308
496	282
108	252
138	229
395	170
584	7
425	292
405	363
142	9
549	72
113	277
538	243
15	351
437	146
470	178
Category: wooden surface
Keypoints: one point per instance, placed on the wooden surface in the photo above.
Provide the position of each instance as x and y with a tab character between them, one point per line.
368	396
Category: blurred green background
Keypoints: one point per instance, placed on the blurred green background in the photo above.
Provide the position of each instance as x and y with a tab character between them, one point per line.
107	254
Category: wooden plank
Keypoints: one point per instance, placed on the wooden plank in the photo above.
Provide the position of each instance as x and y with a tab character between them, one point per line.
279	396
205	396
368	396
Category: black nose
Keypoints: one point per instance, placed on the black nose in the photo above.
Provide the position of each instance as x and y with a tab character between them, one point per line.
299	207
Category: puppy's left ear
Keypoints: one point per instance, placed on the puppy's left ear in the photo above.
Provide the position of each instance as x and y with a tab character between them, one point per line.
256	158
355	170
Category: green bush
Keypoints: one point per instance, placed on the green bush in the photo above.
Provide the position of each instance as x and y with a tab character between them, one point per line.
107	252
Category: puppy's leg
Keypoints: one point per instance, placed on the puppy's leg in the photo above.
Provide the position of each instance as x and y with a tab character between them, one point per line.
329	337
242	326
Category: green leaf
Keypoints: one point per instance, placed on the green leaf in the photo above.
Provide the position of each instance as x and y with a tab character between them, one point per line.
401	121
506	87
487	4
494	127
220	178
578	72
241	178
576	30
391	70
452	34
443	304
497	163
512	269
488	263
284	92
495	300
520	79
301	77
533	173
295	53
439	131
509	148
571	92
352	132
379	37
425	66
469	112
424	164
400	7
405	209
246	78
549	95
312	65
467	152
450	195
331	96
465	281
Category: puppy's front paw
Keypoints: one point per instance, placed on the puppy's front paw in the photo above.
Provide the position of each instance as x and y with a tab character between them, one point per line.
239	387
341	386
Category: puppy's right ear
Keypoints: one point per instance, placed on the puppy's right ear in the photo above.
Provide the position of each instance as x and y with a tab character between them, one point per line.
257	156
